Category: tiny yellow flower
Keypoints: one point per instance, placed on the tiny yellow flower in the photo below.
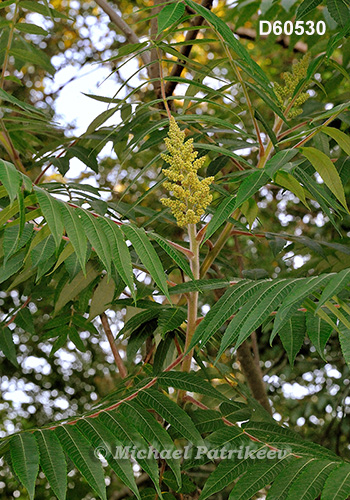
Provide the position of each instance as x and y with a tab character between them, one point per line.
191	195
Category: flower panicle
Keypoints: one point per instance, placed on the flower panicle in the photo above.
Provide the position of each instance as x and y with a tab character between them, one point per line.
285	92
191	196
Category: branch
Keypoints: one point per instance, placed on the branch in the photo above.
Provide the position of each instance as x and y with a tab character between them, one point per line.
118	360
186	49
130	35
253	375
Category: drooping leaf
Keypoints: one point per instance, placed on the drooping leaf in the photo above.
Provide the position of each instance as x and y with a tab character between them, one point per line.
129	436
169	15
339	10
259	475
77	285
80	452
105	443
7	346
120	254
43	251
284	480
337	485
306	6
259	307
10	178
232	299
102	297
174	254
172	413
50	208
189	382
292	335
323	165
222	212
148	255
25	460
342	139
319	332
75	232
169	319
94	229
310	483
153	432
30	28
52	461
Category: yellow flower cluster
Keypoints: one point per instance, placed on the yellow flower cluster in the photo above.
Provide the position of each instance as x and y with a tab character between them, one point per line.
285	93
192	195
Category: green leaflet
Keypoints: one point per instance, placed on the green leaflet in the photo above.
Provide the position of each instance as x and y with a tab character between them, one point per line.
169	15
305	287
251	185
189	382
153	432
5	96
222	212
292	335
7	346
309	485
77	285
43	251
52	462
235	411
105	442
169	319
102	297
224	474
50	208
342	139
75	232
232	299
138	337
25	460
172	413
319	332
95	231
223	29
282	483
279	160
284	438
335	285
306	7
129	436
260	474
12	266
120	254
289	182
337	485
10	178
177	257
80	452
148	256
199	286
137	320
339	10
344	339
319	194
323	165
252	314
